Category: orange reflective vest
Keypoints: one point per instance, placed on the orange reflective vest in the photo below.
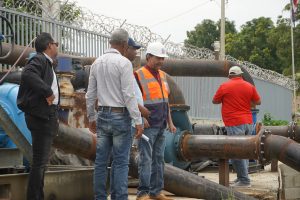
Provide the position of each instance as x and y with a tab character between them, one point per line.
155	96
153	92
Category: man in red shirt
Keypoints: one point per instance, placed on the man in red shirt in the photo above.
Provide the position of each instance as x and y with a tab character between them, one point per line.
237	97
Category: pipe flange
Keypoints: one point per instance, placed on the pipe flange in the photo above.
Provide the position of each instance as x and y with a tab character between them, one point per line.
292	130
179	149
262	158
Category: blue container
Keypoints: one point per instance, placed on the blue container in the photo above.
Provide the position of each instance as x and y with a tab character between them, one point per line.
64	64
254	119
8	99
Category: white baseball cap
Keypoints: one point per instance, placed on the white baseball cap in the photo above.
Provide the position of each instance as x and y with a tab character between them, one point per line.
235	70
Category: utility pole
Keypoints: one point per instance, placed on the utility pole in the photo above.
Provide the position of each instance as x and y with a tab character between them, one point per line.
293	59
293	70
222	34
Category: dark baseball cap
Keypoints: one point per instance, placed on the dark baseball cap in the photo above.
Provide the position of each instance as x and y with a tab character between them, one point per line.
132	43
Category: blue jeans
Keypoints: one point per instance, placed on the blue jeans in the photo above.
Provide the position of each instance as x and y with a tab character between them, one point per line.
151	162
240	166
113	136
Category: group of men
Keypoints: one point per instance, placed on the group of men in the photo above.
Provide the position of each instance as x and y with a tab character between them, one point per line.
129	105
123	96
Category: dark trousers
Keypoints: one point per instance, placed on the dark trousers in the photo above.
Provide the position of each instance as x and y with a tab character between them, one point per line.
42	133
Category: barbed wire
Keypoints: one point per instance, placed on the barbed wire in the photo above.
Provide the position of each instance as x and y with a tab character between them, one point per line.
85	19
265	74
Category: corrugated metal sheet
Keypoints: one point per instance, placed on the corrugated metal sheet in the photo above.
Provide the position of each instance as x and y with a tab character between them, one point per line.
199	91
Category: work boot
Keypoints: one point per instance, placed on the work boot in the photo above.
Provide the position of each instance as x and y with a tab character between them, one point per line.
161	196
241	184
143	197
234	181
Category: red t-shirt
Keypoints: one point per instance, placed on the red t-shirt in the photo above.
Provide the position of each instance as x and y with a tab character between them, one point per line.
236	96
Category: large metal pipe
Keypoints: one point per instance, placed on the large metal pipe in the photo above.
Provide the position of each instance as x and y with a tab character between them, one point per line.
195	147
200	68
176	95
183	183
291	131
177	181
11	59
76	141
174	67
283	149
263	147
206	129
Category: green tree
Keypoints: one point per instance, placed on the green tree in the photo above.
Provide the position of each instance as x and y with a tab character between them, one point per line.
69	11
205	33
252	43
259	41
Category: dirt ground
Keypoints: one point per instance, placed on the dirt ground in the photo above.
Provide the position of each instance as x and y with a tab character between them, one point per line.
264	184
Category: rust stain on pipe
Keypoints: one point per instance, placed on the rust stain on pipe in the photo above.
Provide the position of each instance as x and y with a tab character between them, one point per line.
195	147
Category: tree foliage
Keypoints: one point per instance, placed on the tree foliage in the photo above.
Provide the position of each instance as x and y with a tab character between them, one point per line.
69	11
259	41
207	32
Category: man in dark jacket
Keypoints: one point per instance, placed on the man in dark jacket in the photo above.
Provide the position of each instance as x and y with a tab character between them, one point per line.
38	98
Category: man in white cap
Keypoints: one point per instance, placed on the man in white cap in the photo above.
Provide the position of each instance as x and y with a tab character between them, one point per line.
155	91
237	96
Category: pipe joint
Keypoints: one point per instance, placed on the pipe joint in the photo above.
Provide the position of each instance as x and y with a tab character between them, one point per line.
262	156
182	145
292	130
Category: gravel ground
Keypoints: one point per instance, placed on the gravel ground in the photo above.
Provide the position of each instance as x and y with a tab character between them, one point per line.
264	184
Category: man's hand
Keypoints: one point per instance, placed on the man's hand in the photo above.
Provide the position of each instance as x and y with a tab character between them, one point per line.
50	99
172	128
146	123
139	131
144	111
92	127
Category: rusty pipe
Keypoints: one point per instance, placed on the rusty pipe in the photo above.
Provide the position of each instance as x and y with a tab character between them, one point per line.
263	147
183	183
174	67
283	149
75	141
14	55
201	68
176	95
205	129
10	60
195	147
177	181
291	131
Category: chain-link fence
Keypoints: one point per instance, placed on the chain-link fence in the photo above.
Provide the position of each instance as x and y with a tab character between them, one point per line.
85	26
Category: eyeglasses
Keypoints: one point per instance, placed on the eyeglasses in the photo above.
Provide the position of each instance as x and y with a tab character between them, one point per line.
56	43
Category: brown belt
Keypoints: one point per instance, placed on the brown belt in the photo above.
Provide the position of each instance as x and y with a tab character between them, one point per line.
112	109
